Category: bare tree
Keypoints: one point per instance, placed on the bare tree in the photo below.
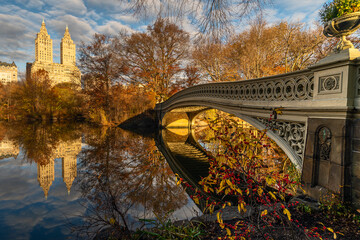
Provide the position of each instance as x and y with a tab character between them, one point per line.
213	17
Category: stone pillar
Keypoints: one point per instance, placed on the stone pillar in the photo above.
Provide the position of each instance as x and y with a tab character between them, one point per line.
327	161
331	161
355	168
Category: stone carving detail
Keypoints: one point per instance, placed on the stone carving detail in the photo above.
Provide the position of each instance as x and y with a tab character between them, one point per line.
292	132
297	87
324	143
330	84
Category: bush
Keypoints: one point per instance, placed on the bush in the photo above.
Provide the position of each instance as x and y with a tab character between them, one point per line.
338	8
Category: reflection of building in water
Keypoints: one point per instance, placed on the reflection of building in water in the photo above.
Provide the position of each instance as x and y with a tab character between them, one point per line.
8	149
46	175
68	152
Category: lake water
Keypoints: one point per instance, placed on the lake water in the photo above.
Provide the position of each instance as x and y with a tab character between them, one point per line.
65	181
60	181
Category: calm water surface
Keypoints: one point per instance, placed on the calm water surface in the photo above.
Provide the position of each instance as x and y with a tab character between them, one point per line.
59	181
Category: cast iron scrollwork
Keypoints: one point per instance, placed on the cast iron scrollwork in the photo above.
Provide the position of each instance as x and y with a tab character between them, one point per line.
292	132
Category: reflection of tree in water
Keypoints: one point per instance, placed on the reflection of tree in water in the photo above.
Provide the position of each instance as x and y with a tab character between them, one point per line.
124	177
38	141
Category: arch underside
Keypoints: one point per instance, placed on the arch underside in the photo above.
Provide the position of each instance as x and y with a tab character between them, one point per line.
289	135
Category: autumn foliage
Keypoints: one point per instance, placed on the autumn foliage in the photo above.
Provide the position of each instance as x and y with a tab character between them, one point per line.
126	74
243	174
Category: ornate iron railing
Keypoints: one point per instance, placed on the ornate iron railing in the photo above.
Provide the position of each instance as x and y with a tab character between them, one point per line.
285	87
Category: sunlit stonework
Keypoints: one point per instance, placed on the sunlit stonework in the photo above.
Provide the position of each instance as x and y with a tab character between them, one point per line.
8	72
8	148
66	70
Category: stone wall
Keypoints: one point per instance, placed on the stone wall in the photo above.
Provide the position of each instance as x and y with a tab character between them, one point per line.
326	169
355	170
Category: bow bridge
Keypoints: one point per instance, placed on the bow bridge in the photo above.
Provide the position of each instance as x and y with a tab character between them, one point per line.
319	128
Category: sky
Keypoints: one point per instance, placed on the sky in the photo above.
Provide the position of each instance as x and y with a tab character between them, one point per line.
20	20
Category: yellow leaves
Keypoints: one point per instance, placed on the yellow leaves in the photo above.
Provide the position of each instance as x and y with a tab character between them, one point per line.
331	230
229	183
287	213
218	216
228	232
112	221
178	179
272	195
264	213
238	190
222	187
211	208
220	221
260	191
196	199
270	181
278	110
241	207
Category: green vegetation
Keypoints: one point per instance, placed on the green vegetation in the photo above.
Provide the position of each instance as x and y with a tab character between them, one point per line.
338	8
164	230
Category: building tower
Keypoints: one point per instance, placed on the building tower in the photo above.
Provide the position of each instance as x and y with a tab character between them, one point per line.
43	46
69	170
46	175
67	49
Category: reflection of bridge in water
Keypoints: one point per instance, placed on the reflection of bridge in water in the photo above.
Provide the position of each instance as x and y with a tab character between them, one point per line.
184	156
319	129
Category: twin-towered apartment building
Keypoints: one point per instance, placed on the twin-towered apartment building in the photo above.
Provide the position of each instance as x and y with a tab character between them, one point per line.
65	71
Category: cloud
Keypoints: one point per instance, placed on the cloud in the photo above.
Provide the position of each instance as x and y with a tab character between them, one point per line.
75	7
16	56
80	29
113	28
113	6
15	38
127	18
38	4
299	16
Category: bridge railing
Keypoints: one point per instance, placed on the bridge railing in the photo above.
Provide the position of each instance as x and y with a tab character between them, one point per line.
284	88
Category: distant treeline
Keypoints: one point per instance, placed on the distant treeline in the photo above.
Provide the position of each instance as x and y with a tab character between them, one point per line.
37	99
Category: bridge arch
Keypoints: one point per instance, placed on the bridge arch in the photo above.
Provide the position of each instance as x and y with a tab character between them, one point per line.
293	155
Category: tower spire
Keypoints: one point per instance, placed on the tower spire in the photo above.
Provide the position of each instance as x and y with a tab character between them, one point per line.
67	33
43	27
